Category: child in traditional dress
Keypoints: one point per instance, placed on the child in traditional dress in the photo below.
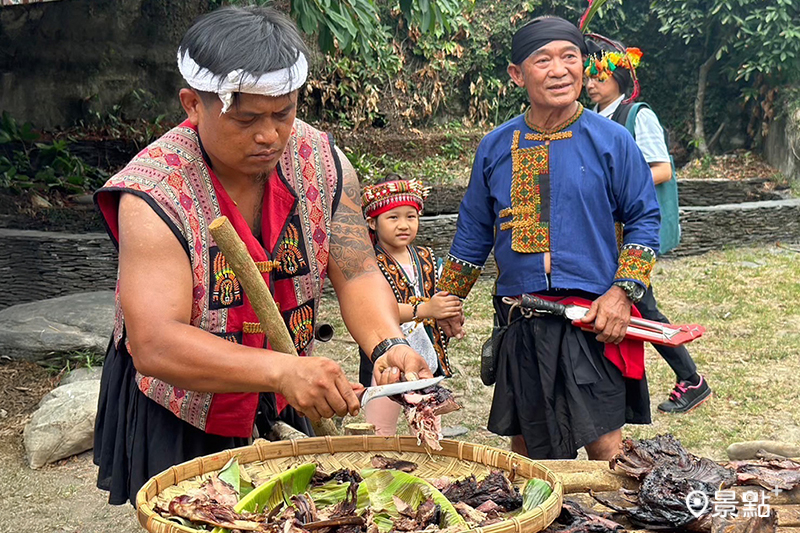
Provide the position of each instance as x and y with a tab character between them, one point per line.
392	208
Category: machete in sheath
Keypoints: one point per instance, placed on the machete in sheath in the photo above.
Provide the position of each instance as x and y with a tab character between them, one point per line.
639	329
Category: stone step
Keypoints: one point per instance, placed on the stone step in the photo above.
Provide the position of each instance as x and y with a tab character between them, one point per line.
38	265
703	228
445	199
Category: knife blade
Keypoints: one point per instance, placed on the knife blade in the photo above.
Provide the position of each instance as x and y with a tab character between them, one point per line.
370	393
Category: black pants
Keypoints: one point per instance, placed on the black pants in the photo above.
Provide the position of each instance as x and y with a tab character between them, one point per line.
677	357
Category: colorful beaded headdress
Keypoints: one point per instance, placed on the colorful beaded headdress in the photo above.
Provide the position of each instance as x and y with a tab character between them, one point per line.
377	199
601	65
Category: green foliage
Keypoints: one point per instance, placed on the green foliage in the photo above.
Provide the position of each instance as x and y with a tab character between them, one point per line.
125	121
749	36
10	131
43	166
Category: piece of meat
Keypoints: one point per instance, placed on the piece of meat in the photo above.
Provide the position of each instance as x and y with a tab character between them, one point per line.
422	409
386	463
740	524
220	491
490	508
576	519
209	512
305	510
495	487
441	483
639	457
668	473
428	514
783	474
343	475
470	514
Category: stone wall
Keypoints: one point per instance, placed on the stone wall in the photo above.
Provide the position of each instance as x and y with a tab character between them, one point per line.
703	228
445	199
61	61
710	228
38	264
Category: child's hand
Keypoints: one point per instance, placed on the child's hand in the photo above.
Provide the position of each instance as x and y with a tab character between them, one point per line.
442	305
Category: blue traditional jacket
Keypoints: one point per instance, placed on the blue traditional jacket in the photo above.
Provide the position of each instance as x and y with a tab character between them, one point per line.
559	191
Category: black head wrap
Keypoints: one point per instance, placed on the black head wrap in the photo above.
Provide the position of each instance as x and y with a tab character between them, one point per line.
540	31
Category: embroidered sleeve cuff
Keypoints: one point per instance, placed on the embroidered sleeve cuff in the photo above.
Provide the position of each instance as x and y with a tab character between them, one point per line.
458	276
636	263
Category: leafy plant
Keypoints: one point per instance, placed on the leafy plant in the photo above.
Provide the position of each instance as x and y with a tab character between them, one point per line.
10	131
535	493
743	38
43	166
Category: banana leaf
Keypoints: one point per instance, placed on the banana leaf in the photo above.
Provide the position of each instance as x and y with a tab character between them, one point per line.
275	491
230	475
535	493
383	485
334	492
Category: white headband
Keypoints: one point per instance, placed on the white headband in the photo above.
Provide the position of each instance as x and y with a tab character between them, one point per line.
275	83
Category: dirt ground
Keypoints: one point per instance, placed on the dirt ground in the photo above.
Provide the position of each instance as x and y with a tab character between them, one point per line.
63	495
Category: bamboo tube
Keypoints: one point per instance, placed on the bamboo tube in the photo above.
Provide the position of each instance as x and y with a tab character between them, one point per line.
788	515
359	428
283	431
243	266
580	476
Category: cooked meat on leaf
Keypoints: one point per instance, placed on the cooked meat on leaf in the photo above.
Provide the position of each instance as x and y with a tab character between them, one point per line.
495	488
386	463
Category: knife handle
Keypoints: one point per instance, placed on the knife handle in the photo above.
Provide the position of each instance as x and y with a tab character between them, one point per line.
542	306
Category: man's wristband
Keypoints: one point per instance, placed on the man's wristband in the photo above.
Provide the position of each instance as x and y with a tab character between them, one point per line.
384	346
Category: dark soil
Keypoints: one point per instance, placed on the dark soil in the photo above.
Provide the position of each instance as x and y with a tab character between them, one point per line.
22	386
61	497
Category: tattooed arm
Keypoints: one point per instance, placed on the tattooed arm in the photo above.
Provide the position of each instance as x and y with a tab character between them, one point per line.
368	306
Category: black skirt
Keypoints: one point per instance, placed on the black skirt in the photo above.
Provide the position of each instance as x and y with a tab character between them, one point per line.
135	438
557	389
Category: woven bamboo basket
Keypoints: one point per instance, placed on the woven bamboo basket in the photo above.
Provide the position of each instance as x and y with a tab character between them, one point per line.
264	459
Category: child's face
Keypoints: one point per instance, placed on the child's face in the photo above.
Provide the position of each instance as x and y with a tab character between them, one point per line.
396	228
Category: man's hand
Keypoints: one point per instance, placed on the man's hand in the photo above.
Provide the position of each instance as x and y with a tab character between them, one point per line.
398	361
453	327
611	314
318	388
442	305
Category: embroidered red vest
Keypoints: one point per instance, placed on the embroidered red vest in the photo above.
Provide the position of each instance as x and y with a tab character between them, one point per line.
299	201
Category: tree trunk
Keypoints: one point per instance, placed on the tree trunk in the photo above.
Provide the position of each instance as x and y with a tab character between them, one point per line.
699	105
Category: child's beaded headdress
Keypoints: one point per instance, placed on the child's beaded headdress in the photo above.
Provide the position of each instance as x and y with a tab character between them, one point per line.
382	197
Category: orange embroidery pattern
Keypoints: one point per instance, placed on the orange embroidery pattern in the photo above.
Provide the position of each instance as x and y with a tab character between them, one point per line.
226	287
301	324
636	262
529	224
458	276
